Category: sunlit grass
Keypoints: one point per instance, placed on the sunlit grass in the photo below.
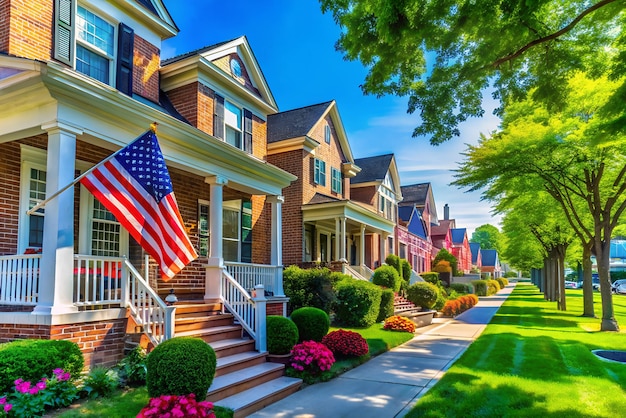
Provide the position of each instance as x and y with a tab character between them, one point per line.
535	361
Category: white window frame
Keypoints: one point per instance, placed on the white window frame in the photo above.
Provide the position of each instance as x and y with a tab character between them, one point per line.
227	125
78	42
319	175
232	205
30	158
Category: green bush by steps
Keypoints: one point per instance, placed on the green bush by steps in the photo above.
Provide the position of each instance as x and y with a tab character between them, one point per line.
358	303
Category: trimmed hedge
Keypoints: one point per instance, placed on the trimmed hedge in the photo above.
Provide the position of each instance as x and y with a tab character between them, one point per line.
386	305
406	270
394	261
503	282
358	303
431	277
31	360
480	287
387	276
310	287
180	366
462	287
282	334
493	287
423	294
313	323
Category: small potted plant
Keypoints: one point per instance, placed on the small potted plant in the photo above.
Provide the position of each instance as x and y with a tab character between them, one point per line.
282	335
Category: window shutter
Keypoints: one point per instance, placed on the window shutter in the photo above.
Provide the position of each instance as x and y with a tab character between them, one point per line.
64	13
247	131
218	117
125	49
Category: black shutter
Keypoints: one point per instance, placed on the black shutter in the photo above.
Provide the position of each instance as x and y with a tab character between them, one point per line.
247	131
125	48
64	12
218	118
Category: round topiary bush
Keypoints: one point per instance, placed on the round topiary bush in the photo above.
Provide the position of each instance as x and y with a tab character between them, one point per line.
282	334
180	366
346	343
387	276
423	294
312	323
358	303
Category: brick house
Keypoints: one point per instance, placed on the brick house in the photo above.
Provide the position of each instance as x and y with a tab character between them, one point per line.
80	80
414	243
461	249
325	220
491	267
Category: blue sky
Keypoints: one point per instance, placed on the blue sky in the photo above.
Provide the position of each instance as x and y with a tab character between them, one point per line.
294	45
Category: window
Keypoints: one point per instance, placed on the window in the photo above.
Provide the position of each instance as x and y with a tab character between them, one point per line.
320	172
327	134
335	180
236	230
105	232
36	193
402	251
233	125
387	201
94	45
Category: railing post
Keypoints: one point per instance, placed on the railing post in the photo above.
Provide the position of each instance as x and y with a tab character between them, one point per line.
124	285
260	318
170	314
278	282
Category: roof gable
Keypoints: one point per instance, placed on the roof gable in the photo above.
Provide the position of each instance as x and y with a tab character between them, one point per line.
489	257
458	235
374	170
475	249
420	195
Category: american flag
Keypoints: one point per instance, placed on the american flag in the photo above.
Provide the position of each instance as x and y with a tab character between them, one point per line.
135	186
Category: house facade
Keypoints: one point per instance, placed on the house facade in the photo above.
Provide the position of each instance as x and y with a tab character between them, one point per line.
86	81
461	249
491	267
324	222
477	257
414	243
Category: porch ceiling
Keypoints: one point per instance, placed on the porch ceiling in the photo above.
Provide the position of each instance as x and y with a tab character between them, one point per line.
34	95
326	213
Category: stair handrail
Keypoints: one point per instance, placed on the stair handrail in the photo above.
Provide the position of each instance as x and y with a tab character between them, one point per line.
249	310
147	309
352	272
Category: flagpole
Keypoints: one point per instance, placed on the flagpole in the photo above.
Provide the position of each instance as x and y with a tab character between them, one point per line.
77	179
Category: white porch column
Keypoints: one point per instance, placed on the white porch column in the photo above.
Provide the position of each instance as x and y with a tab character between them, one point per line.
343	239
362	246
56	282
213	278
337	238
277	229
383	247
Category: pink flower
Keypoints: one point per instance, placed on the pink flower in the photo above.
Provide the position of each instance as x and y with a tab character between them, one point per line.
8	407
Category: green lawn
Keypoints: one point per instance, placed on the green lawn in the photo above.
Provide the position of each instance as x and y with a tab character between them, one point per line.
535	361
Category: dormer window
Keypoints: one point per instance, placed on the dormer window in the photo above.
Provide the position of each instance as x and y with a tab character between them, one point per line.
232	120
232	124
94	45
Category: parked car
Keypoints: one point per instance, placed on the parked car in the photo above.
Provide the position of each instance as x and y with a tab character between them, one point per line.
571	285
596	282
617	283
620	288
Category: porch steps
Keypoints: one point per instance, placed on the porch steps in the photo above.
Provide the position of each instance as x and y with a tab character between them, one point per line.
400	304
244	380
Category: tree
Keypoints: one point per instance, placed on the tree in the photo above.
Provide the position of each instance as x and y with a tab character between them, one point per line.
443	55
445	255
579	163
489	238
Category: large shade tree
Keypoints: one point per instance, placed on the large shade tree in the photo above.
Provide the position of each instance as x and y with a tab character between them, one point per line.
580	163
444	54
489	237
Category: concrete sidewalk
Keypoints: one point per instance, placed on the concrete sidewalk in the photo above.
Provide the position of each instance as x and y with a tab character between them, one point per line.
390	384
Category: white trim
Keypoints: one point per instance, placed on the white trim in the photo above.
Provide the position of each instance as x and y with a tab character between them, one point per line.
30	158
82	317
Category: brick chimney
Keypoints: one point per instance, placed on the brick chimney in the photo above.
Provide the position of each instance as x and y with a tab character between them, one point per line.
446	212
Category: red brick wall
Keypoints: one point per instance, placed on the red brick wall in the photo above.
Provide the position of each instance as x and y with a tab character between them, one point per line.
367	195
26	28
146	61
101	342
261	230
274	308
186	103
9	192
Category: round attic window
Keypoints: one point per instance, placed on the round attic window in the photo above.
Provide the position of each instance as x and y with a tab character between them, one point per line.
235	68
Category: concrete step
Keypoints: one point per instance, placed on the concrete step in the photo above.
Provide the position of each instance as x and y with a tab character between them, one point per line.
251	400
232	383
239	361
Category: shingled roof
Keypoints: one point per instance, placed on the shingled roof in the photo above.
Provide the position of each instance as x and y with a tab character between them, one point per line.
194	52
458	235
372	168
475	249
415	194
489	257
294	123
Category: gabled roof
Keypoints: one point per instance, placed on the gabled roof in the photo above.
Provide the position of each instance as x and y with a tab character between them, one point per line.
372	168
405	213
441	229
321	198
419	194
475	249
489	257
296	122
458	235
153	13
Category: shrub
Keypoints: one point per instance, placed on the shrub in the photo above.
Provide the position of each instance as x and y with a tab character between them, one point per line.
493	287
387	276
431	277
444	254
443	266
386	305
100	382
311	358
177	406
132	368
462	287
451	308
513	274
441	300
503	282
346	343
312	323
406	270
310	287
31	359
282	334
423	294
394	261
480	287
358	303
399	323
180	357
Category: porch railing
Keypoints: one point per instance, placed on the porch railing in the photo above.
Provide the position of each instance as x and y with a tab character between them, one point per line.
250	275
19	279
98	280
359	272
248	309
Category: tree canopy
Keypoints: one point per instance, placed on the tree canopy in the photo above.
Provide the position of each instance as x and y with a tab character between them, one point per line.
443	55
489	238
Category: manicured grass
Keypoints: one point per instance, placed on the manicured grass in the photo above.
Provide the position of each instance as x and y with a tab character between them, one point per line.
533	361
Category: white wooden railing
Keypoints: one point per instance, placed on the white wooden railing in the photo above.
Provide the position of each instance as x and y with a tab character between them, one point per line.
250	275
98	280
19	279
147	309
361	272
248	309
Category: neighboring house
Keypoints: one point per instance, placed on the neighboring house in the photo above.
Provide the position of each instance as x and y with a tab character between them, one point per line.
491	264
441	236
421	197
323	222
79	80
461	249
414	243
477	258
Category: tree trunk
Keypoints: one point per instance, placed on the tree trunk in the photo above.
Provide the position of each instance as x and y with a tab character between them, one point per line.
609	323
588	309
560	267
